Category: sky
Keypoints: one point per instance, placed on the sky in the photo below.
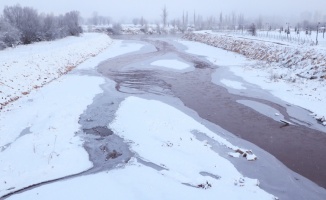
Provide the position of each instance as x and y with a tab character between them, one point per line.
125	10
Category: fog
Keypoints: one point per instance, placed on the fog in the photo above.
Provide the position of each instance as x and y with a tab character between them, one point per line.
125	10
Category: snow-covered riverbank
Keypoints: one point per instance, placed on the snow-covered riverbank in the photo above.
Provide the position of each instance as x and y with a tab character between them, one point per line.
38	131
25	68
296	74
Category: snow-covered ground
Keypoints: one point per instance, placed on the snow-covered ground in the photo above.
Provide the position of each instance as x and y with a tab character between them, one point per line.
38	142
290	82
27	67
293	38
37	132
164	139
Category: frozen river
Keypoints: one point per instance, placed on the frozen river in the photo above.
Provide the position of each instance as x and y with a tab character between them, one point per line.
168	122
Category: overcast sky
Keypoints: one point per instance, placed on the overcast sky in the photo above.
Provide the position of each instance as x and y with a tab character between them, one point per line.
151	9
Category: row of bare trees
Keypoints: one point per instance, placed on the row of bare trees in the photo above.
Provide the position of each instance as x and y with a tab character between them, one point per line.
196	21
24	25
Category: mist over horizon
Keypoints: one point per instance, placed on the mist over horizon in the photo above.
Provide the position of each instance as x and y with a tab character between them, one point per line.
125	11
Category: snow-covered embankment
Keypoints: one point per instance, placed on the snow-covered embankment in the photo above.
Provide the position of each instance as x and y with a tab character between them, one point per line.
294	73
25	68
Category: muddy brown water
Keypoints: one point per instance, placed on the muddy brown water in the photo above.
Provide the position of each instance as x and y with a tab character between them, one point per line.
298	147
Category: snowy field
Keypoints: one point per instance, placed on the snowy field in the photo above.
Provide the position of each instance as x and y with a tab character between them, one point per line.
27	67
292	79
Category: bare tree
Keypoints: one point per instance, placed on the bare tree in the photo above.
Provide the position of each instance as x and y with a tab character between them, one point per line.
95	19
142	21
26	20
25	25
164	16
234	20
252	30
135	21
116	28
9	35
158	28
173	23
49	27
260	22
221	20
194	20
174	26
72	23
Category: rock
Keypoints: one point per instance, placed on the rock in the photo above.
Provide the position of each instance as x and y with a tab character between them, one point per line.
113	155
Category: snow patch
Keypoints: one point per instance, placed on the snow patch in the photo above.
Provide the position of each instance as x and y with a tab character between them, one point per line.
28	67
217	56
165	138
293	73
49	148
233	84
262	109
171	64
136	181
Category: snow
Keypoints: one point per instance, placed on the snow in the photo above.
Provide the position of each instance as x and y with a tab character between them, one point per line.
309	95
217	56
165	138
235	154
43	135
282	82
31	66
136	181
263	109
116	48
233	84
50	149
275	36
37	140
171	64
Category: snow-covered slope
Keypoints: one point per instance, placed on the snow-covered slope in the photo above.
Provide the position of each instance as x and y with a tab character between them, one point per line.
27	67
304	61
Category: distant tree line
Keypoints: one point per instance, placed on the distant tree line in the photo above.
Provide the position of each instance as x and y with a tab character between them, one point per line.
23	25
98	20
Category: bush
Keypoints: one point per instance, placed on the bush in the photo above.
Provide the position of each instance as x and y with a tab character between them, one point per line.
25	25
26	20
49	28
2	45
9	35
252	30
116	29
71	22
